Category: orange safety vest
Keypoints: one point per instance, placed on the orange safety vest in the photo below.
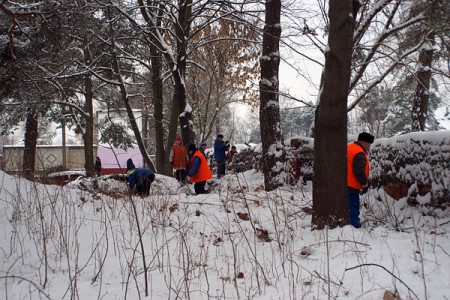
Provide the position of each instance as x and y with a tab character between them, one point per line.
203	173
179	157
352	150
230	155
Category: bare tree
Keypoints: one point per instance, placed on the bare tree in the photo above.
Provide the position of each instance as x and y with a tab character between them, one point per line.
220	75
381	43
422	93
427	24
172	44
434	27
374	46
330	131
178	31
157	93
88	132
271	136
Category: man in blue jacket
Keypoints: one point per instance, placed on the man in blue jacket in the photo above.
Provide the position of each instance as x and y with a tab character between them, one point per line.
139	179
220	147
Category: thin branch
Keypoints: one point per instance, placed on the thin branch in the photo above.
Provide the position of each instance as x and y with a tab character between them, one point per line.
382	76
27	280
380	266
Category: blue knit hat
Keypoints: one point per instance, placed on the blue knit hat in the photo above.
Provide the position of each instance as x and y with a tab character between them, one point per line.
203	144
130	164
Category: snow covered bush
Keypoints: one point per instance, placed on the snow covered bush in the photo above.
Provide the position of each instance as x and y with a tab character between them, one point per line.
415	165
301	157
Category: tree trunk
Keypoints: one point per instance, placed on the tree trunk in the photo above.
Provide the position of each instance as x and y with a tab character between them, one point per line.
173	125
180	109
126	101
330	132
88	133
162	155
185	117
271	136
182	30
157	85
29	152
422	93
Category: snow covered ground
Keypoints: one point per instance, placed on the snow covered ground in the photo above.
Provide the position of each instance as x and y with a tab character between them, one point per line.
82	241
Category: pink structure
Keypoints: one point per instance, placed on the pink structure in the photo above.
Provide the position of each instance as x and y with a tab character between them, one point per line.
114	160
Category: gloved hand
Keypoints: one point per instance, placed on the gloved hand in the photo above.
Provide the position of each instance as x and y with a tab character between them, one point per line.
227	142
364	189
188	179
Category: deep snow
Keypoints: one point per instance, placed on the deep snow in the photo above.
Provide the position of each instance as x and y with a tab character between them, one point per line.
239	242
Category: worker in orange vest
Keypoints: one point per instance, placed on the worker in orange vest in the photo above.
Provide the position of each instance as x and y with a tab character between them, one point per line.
179	160
199	170
357	173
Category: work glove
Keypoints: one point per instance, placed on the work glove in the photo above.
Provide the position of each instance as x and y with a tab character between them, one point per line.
364	189
188	179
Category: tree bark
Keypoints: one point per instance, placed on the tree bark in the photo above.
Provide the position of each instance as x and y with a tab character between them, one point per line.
88	134
271	136
29	152
157	85
422	93
162	156
180	112
182	30
330	132
129	109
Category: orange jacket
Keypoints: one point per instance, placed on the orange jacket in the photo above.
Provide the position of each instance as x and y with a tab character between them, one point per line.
203	173
179	160
352	150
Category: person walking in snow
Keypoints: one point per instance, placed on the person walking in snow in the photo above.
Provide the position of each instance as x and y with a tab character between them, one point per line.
199	170
220	147
357	174
178	159
139	179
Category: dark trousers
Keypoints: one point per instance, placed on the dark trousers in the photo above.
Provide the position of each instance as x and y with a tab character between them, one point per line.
180	175
143	186
353	206
221	168
199	187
